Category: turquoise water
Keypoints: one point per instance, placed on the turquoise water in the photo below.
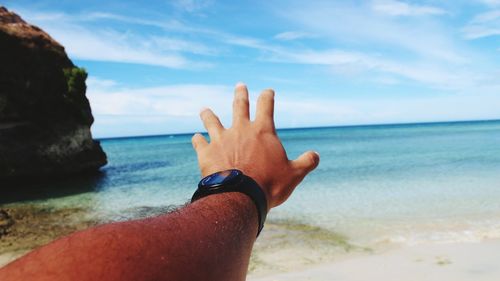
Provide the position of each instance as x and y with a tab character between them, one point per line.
375	184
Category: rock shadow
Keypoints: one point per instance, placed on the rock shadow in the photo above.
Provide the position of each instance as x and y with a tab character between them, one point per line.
36	188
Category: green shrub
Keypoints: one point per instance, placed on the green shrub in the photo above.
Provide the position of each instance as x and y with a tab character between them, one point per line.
75	77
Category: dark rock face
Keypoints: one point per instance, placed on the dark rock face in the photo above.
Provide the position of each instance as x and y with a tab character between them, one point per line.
45	117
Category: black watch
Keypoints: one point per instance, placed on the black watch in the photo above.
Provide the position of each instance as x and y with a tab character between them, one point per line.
234	181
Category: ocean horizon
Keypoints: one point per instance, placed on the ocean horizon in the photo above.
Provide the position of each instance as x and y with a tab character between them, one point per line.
312	127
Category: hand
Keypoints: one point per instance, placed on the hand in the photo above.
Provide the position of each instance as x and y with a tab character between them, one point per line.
252	147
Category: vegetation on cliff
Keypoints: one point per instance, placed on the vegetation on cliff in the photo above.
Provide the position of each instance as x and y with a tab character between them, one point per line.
75	78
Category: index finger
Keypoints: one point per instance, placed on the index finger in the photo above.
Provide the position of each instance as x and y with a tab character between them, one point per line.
211	123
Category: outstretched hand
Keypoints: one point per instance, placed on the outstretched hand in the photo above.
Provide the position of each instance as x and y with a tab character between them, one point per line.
252	147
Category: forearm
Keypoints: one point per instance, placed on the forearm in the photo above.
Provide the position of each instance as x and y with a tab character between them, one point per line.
210	239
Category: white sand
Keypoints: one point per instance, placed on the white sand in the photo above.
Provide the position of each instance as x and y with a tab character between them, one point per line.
432	262
8	257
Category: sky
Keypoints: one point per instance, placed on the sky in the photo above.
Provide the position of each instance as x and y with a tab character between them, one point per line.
154	64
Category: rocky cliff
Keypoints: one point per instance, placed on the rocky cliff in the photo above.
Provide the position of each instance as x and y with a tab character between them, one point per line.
45	117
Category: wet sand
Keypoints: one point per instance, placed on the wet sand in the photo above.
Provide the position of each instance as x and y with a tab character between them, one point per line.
430	262
288	250
36	226
309	245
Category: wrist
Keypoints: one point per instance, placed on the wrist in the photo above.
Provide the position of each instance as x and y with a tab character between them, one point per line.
233	180
264	187
228	206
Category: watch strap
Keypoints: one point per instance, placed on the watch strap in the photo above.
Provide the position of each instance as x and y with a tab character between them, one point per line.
251	188
247	186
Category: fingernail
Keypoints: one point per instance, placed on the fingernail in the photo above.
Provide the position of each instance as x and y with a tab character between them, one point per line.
203	109
317	157
240	84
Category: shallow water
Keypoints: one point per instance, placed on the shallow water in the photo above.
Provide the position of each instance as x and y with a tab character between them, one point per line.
375	184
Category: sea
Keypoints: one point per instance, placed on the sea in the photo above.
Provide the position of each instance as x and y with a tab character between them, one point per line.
376	186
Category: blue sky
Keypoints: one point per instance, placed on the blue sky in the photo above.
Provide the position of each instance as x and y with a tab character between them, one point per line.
153	66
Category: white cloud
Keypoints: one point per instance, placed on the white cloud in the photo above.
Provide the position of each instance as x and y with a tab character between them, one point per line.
98	83
149	110
177	45
389	50
295	111
192	5
81	43
483	25
359	25
171	100
385	79
399	8
64	18
491	2
84	41
444	77
120	111
107	44
292	35
247	42
487	17
175	108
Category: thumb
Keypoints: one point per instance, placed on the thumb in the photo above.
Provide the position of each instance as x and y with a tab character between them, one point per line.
306	162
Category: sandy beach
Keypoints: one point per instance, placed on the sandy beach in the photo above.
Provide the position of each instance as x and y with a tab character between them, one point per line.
452	261
8	257
439	262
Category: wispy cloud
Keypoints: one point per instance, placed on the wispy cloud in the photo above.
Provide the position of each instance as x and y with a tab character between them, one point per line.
96	16
292	35
400	8
417	50
82	43
109	44
180	46
418	60
491	2
98	83
173	100
192	5
175	108
459	79
78	33
360	25
483	25
181	103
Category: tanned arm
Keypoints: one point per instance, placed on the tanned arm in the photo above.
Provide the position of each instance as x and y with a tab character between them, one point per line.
210	239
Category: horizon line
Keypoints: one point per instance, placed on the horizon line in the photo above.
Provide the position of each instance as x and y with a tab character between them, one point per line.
313	127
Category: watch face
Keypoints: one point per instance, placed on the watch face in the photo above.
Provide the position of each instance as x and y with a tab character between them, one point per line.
227	177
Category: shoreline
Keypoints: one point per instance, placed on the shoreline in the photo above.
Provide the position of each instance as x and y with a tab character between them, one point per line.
314	244
458	261
287	250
